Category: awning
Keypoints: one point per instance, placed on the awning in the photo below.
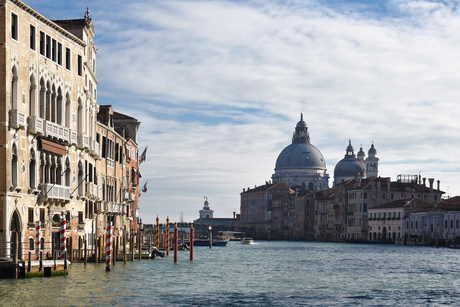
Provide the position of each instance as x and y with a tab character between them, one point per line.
53	147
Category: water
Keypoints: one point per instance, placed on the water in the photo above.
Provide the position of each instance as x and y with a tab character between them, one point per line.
266	273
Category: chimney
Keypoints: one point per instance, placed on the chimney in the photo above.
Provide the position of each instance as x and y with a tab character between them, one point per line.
244	190
419	179
431	180
388	184
424	182
234	214
439	185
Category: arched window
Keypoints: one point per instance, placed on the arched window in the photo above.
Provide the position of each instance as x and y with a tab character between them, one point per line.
59	172
48	101
53	105
42	99
68	110
80	179
14	88
59	107
364	207
31	244
14	166
310	186
80	117
32	170
32	96
67	173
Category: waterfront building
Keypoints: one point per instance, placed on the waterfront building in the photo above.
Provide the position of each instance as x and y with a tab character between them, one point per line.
57	160
207	218
386	221
442	222
256	205
372	192
48	111
324	201
301	163
128	127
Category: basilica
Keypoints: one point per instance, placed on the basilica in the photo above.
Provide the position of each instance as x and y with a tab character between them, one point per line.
302	164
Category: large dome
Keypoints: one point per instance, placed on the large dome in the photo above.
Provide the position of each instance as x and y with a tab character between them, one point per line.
300	155
301	163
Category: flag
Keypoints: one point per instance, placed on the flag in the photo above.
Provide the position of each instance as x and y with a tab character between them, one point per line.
144	189
144	155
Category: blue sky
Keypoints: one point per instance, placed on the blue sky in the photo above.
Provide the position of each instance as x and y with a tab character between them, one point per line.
219	85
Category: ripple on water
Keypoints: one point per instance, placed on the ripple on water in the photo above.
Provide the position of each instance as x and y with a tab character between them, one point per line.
269	273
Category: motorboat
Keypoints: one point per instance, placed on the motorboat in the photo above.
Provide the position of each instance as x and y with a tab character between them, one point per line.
205	242
247	240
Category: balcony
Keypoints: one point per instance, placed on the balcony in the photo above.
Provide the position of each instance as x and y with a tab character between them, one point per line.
95	148
36	125
17	119
114	208
91	190
349	213
83	141
73	137
56	131
54	193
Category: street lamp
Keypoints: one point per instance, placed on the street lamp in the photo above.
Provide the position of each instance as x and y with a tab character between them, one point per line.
210	236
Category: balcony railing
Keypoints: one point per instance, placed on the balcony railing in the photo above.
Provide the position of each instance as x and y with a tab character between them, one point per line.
56	131
116	208
91	190
17	119
83	140
55	191
73	137
36	125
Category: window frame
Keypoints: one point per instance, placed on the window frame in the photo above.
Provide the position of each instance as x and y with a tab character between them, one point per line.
32	38
14	27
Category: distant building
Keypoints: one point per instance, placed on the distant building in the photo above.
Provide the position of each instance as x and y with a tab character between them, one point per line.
207	218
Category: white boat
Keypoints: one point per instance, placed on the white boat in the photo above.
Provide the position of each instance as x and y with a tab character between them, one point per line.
247	241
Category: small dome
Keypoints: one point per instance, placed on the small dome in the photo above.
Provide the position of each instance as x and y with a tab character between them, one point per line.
372	150
301	123
349	165
361	152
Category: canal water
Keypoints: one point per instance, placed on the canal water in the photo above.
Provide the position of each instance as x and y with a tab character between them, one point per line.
266	273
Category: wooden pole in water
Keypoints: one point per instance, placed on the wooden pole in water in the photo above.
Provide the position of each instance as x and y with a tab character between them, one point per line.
86	251
114	253
167	236
71	248
132	248
192	232
80	243
124	250
175	243
108	250
157	233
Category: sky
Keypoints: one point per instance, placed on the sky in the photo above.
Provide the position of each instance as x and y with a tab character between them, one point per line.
218	87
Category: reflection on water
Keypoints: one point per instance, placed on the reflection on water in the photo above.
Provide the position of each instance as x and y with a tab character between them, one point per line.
267	273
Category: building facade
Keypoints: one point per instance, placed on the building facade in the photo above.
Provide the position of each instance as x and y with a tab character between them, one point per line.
57	161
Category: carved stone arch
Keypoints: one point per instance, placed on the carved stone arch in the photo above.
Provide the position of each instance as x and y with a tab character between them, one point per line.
14	87
60	106
68	109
